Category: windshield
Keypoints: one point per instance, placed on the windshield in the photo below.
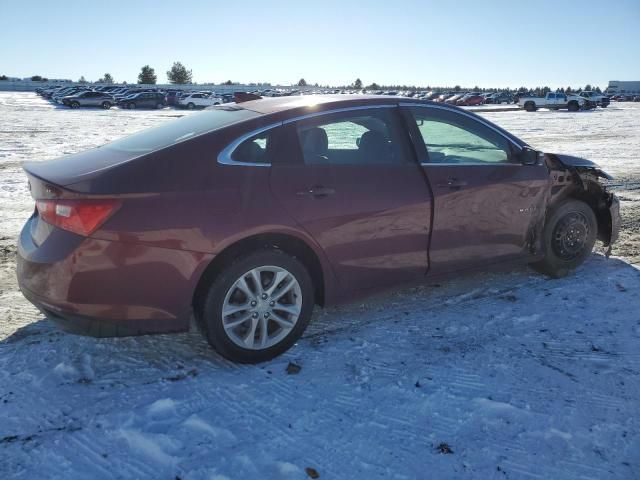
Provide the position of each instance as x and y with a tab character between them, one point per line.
182	129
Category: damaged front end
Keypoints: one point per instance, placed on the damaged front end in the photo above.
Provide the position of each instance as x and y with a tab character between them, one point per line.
579	178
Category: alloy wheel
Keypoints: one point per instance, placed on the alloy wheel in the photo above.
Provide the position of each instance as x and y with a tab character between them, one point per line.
261	307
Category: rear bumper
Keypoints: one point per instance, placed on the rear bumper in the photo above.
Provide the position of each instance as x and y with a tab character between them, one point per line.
100	327
107	288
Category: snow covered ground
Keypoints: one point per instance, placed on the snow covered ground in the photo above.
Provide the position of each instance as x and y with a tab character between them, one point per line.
493	376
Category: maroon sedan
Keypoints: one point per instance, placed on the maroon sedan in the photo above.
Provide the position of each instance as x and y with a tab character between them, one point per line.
470	100
247	215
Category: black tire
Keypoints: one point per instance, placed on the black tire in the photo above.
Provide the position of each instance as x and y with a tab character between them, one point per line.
159	106
75	105
569	235
106	105
190	106
530	107
131	106
573	106
210	316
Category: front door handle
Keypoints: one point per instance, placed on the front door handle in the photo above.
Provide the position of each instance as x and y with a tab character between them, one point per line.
317	191
452	183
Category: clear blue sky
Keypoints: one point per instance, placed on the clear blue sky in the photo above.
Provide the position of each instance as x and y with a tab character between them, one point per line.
490	43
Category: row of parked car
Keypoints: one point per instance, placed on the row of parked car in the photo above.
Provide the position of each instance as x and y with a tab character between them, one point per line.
130	97
626	98
137	97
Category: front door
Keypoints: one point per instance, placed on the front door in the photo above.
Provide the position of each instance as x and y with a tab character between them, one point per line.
486	202
355	186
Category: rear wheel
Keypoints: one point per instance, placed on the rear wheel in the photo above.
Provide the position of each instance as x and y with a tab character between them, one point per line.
530	107
190	106
258	306
106	105
569	236
160	105
573	106
131	106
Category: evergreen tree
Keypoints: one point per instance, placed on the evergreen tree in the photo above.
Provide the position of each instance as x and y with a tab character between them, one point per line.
179	74
106	79
82	80
147	75
357	84
302	82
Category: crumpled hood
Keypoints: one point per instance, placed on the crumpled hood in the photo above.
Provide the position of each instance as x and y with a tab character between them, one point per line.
581	163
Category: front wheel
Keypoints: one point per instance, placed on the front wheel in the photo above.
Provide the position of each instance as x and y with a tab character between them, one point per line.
106	105
258	306
573	106
569	235
160	105
131	106
75	105
190	106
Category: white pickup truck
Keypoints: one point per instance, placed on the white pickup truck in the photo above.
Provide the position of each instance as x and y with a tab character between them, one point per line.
199	100
600	99
555	101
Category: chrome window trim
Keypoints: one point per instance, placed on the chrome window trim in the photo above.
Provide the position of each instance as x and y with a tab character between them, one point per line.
473	117
225	156
467	164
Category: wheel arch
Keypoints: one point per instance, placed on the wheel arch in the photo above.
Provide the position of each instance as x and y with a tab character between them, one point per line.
589	190
284	242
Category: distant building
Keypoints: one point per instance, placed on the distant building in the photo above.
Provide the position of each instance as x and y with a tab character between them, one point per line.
616	87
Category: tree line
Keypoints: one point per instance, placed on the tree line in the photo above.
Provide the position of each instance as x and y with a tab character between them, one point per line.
180	75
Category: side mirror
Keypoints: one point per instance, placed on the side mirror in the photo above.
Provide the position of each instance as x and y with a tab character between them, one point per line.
529	156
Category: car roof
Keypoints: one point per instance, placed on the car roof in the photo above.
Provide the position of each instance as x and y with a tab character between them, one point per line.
320	102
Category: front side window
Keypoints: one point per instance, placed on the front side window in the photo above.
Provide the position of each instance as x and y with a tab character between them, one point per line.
450	137
358	137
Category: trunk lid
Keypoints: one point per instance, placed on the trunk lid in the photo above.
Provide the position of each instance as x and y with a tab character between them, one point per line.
76	168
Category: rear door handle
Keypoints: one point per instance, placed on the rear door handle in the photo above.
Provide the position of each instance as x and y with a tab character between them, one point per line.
317	191
452	183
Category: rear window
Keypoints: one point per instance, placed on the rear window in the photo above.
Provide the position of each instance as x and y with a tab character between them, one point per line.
180	130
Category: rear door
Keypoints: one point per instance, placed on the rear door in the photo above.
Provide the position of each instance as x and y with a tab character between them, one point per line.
486	202
351	180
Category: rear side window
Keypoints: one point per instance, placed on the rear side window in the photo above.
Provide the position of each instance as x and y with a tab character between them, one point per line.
256	150
358	137
180	130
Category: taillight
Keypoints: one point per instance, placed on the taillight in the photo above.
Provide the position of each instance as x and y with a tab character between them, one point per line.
78	216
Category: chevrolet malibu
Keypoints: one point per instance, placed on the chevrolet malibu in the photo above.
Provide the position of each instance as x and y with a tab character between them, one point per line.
247	215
